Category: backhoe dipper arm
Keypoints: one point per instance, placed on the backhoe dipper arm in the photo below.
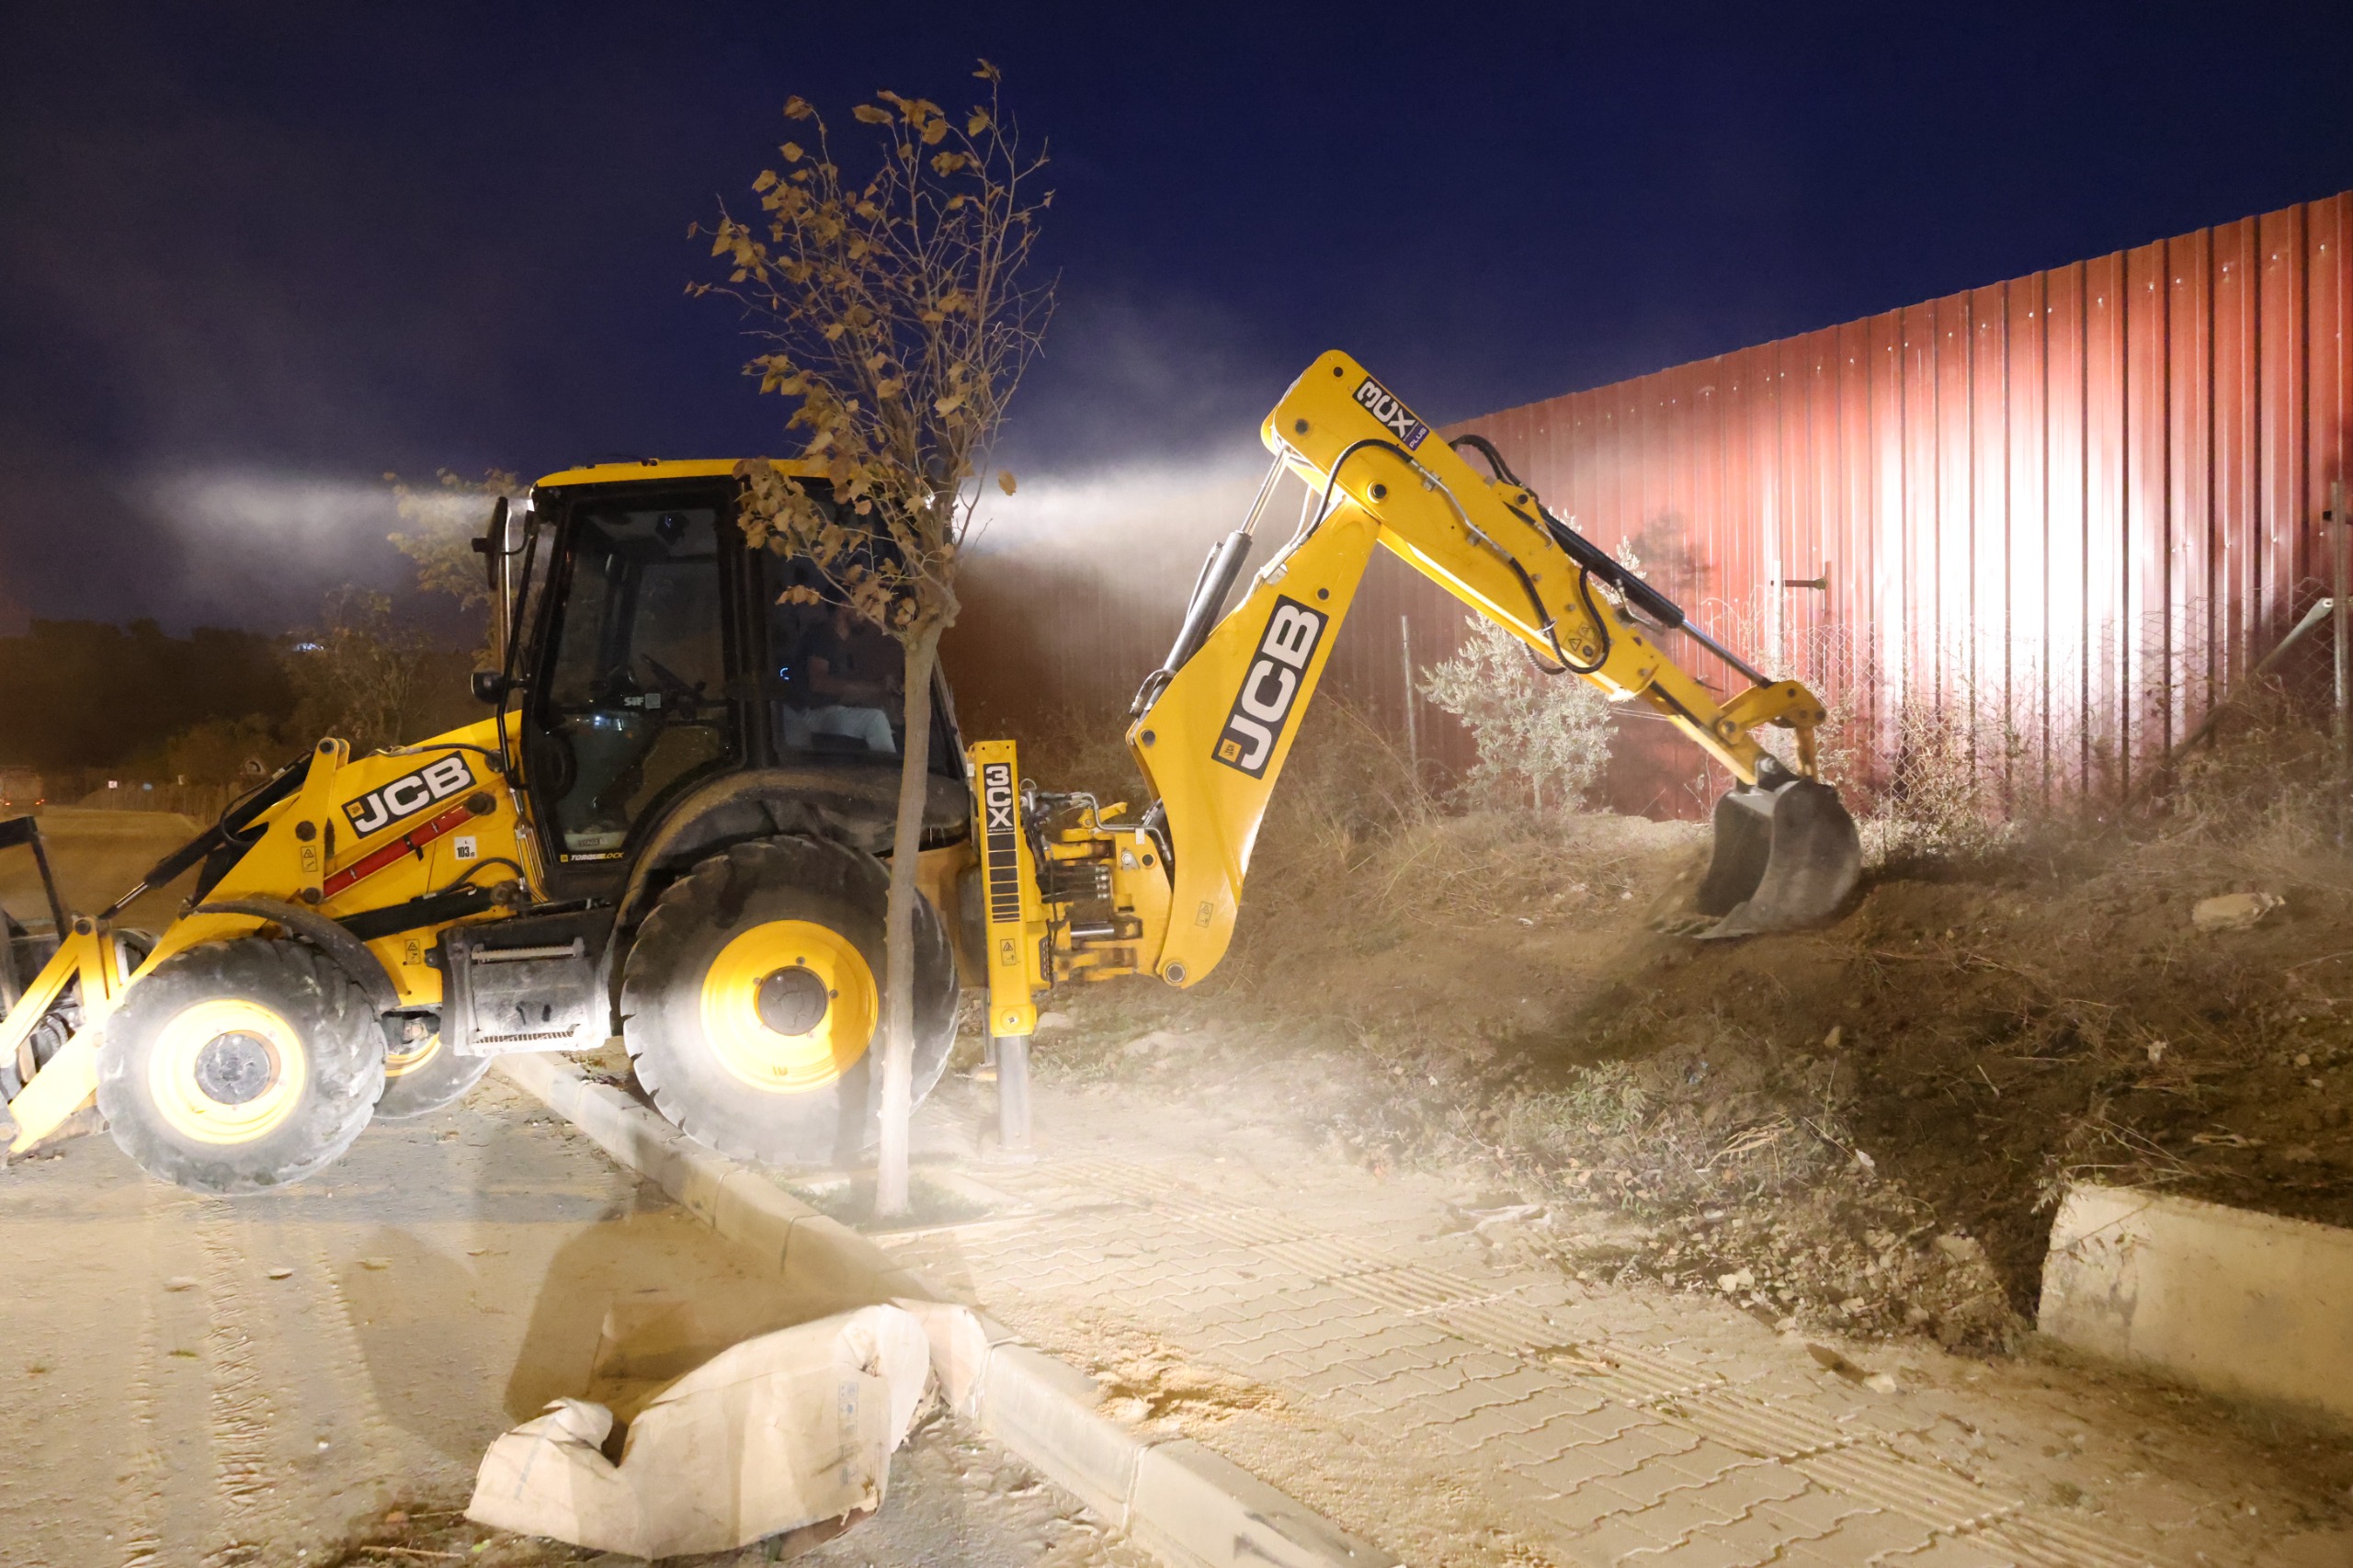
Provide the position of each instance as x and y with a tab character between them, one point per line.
1213	728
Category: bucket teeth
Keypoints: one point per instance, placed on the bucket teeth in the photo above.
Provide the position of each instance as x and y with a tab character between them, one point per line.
1785	859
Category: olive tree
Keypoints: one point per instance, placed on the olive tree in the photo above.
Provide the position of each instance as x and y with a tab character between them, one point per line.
892	307
444	523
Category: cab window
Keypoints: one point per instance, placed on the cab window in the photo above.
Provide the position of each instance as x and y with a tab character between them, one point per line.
633	705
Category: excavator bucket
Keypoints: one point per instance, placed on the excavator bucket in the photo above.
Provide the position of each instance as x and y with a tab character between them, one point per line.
1785	858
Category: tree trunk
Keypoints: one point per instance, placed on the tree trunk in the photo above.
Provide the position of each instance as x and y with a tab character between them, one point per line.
899	980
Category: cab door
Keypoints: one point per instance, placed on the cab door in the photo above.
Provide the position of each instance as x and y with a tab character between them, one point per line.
631	705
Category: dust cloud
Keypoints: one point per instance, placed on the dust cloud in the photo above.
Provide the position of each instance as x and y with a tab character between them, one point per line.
1138	530
261	549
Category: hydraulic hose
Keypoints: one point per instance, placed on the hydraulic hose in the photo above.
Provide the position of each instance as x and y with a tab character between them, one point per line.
1639	593
1546	621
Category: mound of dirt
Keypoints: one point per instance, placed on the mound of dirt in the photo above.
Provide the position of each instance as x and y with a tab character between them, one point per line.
1863	1128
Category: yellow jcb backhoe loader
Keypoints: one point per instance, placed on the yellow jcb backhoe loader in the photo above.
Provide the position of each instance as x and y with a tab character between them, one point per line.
672	827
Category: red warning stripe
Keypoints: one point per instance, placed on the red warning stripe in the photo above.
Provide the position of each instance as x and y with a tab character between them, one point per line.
413	842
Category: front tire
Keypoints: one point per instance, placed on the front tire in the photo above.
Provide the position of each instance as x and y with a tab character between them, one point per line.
236	1067
751	1001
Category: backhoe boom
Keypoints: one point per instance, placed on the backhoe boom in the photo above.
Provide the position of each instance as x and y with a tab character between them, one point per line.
1213	727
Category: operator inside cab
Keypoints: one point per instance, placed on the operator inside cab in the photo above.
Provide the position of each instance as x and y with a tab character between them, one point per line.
838	679
843	680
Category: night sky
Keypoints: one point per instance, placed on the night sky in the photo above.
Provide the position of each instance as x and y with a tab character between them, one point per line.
253	257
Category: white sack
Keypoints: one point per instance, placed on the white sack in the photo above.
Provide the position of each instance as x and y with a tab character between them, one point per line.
960	1349
788	1429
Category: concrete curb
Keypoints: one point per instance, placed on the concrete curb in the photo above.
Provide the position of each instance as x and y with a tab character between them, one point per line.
1184	1503
2247	1305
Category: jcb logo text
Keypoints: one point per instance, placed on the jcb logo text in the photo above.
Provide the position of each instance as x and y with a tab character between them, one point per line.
1270	689
409	794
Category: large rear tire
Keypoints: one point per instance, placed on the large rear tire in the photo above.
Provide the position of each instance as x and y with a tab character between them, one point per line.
236	1067
751	1001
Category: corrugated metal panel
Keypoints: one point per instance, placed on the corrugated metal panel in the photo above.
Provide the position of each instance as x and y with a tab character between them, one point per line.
2067	511
2064	513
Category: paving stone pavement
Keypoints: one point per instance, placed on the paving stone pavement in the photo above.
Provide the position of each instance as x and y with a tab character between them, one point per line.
1598	1425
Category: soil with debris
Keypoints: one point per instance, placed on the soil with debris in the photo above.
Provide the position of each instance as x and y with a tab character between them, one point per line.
1863	1129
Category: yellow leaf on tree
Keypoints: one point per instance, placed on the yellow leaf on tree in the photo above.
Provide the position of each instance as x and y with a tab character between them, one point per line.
1005	479
869	115
978	123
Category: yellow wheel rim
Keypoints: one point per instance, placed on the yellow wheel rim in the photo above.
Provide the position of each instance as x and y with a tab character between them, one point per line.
227	1070
399	1062
789	1006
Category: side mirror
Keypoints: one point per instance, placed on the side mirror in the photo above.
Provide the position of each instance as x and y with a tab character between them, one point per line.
491	685
491	545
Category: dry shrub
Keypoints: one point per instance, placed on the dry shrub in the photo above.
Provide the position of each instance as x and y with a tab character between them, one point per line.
1349	830
2266	794
1599	1102
1739	1164
1067	747
1942	798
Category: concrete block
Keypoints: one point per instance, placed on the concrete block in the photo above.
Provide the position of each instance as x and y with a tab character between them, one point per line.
548	1078
1000	1335
1043	1410
2240	1303
1191	1506
1205	1510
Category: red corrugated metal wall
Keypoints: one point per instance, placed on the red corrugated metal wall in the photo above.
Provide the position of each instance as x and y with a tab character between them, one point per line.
2065	512
2061	513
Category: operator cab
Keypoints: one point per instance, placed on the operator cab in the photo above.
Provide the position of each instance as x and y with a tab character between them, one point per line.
658	652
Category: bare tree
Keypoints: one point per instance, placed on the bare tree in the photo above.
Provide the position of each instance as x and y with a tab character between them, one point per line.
894	310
